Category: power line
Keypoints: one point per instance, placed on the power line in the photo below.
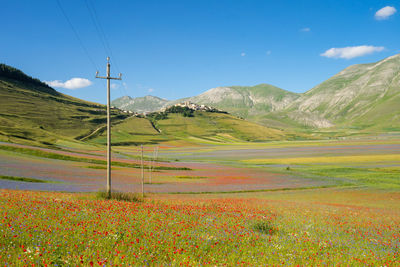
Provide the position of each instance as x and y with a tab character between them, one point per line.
100	32
97	28
103	38
76	35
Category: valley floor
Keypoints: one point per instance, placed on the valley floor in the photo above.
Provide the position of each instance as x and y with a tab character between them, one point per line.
78	174
207	168
277	203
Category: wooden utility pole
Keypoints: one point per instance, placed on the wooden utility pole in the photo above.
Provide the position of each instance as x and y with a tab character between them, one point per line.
142	172
108	77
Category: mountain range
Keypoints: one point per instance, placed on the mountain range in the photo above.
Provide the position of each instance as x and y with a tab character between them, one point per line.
361	97
31	112
140	104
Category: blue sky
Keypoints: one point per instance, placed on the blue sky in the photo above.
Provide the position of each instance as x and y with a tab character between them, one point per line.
175	49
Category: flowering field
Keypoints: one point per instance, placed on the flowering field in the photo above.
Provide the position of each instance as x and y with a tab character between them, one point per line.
248	229
73	172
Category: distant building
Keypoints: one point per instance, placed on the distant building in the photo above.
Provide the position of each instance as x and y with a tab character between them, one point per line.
194	106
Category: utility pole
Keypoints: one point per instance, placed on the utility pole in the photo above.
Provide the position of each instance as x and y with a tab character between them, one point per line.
108	77
155	153
151	162
142	172
150	169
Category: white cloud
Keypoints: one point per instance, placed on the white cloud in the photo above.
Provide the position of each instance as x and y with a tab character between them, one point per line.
114	86
268	52
351	51
74	83
150	90
305	29
243	54
385	12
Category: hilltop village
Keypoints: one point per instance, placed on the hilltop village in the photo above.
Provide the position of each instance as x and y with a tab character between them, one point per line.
187	105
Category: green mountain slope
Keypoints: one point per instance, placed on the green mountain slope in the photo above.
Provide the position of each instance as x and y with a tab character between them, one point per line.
246	101
32	112
243	101
361	96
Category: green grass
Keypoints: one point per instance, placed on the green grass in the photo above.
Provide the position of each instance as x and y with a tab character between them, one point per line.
283	189
264	227
191	177
360	169
97	167
23	179
217	127
132	131
381	178
353	159
123	151
341	175
120	196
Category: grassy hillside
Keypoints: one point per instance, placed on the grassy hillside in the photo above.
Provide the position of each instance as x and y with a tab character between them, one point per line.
200	127
362	97
132	131
218	127
32	112
246	101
